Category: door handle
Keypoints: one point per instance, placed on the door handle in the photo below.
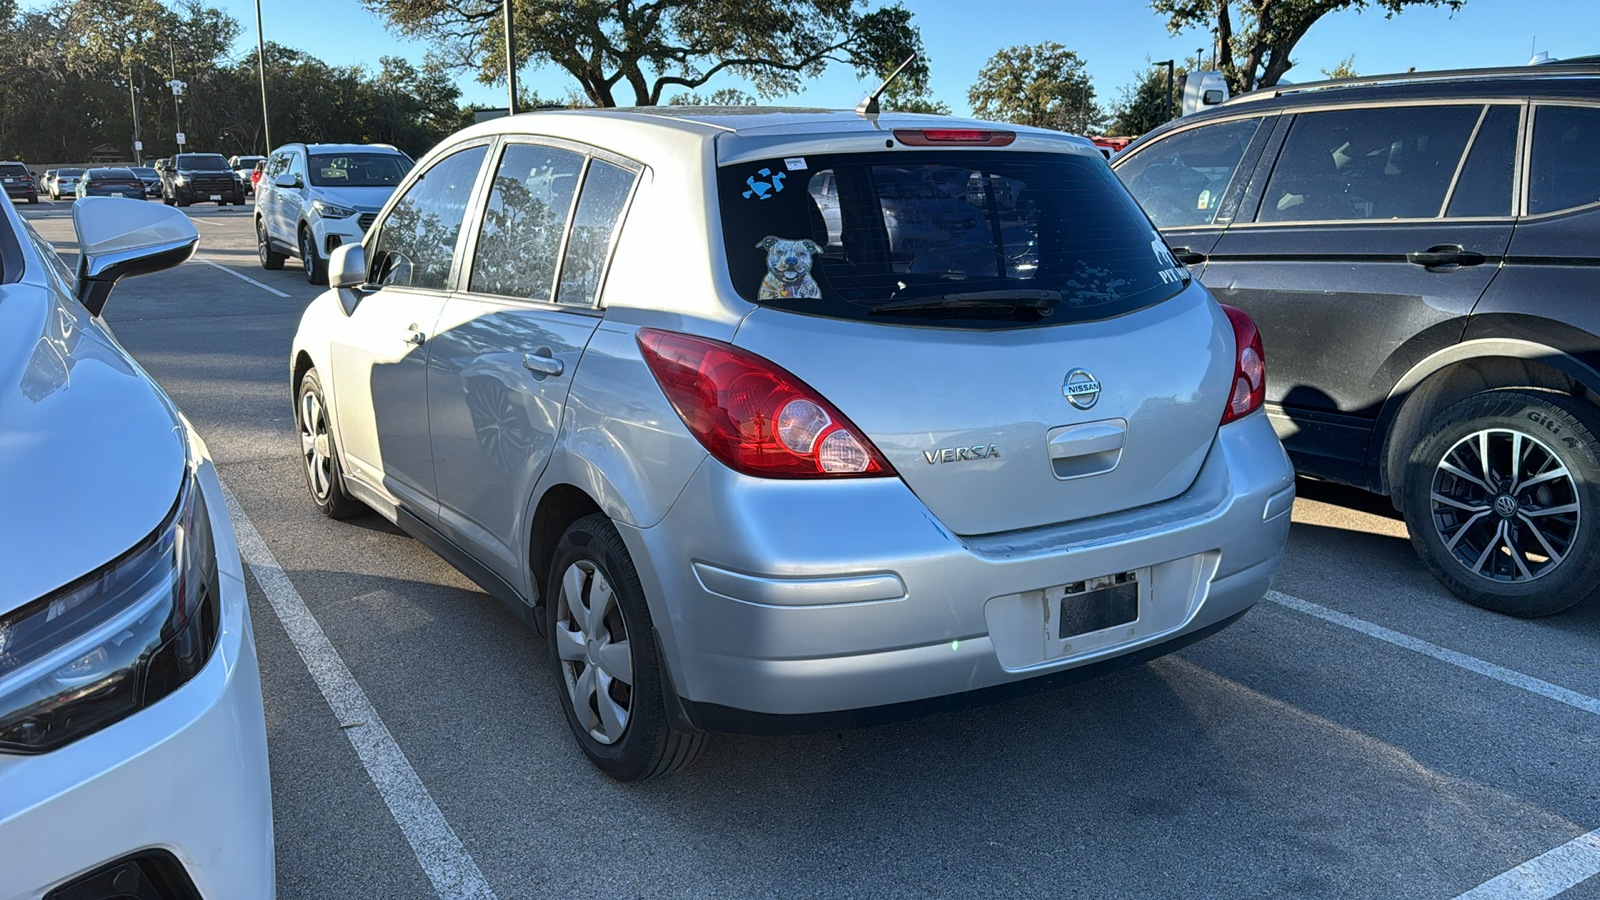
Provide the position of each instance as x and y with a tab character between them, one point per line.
1188	256
415	337
1443	255
542	362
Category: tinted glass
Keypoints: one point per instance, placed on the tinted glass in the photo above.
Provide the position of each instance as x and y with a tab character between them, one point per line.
1364	164
847	234
202	162
417	241
1484	188
358	169
143	171
605	193
68	173
1565	170
1181	179
13	169
520	240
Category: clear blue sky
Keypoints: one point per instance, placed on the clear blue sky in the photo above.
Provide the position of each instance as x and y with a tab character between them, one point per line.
1114	37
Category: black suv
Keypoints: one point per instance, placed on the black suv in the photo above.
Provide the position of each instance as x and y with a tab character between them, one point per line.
197	178
1422	255
18	181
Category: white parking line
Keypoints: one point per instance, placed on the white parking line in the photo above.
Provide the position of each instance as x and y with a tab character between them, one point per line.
1543	876
1470	663
270	290
438	850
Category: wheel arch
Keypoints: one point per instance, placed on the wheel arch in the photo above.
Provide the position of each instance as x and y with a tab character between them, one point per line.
558	507
1456	372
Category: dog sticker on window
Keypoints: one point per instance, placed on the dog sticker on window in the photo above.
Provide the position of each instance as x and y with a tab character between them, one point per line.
788	268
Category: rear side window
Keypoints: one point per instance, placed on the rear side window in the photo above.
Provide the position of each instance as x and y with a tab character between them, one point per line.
1181	180
1484	185
520	240
1366	164
855	236
1565	169
417	243
605	194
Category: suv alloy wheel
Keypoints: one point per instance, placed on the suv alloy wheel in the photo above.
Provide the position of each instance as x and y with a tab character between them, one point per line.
1501	499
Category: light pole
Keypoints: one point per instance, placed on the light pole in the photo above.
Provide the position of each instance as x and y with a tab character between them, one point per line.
138	145
1168	112
511	62
261	64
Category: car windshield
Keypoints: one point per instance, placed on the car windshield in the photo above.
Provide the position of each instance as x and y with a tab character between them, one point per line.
358	169
967	238
68	173
203	162
246	162
144	172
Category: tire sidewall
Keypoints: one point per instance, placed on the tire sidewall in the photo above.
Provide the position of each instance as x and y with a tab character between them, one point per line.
636	754
335	504
1571	430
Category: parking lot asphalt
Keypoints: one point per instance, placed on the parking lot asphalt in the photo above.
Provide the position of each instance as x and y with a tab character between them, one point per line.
1360	734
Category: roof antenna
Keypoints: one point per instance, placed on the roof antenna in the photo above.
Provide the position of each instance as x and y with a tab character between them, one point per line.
869	106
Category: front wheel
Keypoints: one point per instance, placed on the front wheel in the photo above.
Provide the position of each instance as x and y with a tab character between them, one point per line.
603	650
1501	498
324	478
316	267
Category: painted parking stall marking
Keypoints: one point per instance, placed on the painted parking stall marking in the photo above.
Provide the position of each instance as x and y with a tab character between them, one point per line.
241	277
439	851
1548	874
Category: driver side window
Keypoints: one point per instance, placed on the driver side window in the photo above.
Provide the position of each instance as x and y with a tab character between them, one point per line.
416	243
1180	181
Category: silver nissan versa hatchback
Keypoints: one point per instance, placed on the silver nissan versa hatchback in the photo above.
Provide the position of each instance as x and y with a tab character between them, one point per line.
778	421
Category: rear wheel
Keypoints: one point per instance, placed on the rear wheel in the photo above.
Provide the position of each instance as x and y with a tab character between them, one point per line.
1501	499
270	258
324	478
315	266
603	651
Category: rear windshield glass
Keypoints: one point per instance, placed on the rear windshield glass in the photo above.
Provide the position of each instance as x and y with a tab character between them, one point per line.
203	162
144	172
71	173
13	169
358	169
981	239
111	175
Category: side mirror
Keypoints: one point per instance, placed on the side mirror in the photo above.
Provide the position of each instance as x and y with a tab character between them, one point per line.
1211	98
347	271
287	180
119	238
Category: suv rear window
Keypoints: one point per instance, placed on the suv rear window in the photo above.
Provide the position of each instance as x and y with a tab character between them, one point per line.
924	226
12	169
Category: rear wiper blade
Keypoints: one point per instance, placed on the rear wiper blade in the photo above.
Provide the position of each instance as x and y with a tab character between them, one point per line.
1042	301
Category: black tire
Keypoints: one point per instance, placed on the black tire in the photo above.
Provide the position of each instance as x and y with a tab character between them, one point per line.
179	201
320	457
166	198
1520	539
316	268
271	259
645	745
237	201
34	199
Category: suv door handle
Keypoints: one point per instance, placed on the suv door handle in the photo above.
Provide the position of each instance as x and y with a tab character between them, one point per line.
1443	255
542	362
1188	256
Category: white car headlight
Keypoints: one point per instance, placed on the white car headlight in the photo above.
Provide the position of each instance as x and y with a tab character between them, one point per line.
332	210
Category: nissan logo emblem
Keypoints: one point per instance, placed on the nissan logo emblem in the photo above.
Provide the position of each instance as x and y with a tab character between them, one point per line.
1081	389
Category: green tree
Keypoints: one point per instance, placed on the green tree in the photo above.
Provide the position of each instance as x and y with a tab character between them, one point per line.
1044	85
1143	104
1345	69
613	47
723	97
1254	53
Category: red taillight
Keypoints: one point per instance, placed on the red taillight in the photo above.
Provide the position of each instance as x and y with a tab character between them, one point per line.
933	137
752	415
1249	368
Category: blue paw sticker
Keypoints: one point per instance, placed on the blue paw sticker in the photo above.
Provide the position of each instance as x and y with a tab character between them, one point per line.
764	190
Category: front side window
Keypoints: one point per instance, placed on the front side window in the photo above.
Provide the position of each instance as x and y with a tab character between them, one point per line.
953	238
1368	164
1181	180
358	169
594	227
520	239
1565	169
417	241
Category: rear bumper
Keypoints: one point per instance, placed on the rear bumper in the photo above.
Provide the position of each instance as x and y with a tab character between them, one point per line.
18	190
792	606
187	775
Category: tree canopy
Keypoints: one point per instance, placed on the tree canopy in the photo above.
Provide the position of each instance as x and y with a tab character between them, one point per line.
1043	85
623	50
1254	43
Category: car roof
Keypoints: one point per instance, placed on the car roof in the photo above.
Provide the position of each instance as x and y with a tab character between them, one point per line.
346	148
709	120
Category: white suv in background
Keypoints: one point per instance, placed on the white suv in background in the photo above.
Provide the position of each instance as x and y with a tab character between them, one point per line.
315	197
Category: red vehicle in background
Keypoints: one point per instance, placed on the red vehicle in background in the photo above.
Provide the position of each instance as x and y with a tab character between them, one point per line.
1110	146
255	174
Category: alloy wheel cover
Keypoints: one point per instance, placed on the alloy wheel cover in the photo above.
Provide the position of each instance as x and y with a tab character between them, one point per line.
1505	506
596	659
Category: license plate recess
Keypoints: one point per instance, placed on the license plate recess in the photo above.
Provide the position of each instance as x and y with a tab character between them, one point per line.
1098	604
